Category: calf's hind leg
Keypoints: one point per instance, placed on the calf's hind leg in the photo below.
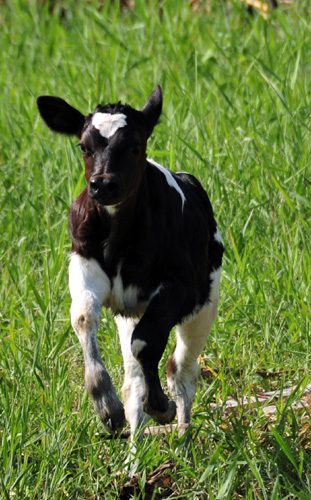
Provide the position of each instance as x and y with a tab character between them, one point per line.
89	287
182	366
133	390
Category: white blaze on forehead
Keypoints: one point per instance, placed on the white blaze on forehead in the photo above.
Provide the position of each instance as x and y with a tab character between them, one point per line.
108	124
170	180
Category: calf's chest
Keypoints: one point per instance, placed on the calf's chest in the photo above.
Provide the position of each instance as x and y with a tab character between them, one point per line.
88	279
125	298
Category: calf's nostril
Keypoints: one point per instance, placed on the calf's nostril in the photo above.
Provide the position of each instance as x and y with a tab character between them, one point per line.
94	184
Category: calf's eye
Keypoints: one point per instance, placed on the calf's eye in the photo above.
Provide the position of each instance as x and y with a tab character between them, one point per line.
84	150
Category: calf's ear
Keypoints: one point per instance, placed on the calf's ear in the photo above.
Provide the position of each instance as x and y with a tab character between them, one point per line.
152	109
60	116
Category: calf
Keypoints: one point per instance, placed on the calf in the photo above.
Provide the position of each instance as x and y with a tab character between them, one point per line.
145	244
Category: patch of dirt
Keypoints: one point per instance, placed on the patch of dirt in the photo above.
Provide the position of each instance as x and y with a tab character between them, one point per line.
160	479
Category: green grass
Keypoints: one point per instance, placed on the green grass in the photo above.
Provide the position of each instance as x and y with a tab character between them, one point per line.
237	113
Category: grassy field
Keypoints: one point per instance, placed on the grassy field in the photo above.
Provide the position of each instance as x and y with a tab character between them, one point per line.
237	113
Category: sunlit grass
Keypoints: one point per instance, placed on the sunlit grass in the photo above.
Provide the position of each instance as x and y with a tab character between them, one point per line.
237	107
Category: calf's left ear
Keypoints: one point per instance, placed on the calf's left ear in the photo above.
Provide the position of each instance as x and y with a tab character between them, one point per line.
60	116
152	109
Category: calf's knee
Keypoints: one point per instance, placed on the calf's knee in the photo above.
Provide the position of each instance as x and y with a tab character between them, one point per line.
85	314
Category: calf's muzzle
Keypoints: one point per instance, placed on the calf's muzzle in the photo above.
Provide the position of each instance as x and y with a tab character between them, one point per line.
105	189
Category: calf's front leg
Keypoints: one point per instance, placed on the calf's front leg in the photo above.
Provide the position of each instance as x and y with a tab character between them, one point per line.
89	287
148	343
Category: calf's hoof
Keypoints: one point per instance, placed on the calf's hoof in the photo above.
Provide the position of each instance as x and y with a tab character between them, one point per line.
112	426
106	403
113	423
112	415
161	417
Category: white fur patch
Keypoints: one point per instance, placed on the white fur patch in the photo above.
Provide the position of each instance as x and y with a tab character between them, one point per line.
137	346
112	209
125	328
89	288
217	236
215	281
123	299
108	124
86	275
170	180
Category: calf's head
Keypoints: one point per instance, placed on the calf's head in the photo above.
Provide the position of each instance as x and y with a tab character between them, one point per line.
113	141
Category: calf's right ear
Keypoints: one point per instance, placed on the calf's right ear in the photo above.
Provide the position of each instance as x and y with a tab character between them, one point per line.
60	116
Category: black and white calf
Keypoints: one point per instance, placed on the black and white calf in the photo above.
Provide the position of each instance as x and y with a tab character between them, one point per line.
145	244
